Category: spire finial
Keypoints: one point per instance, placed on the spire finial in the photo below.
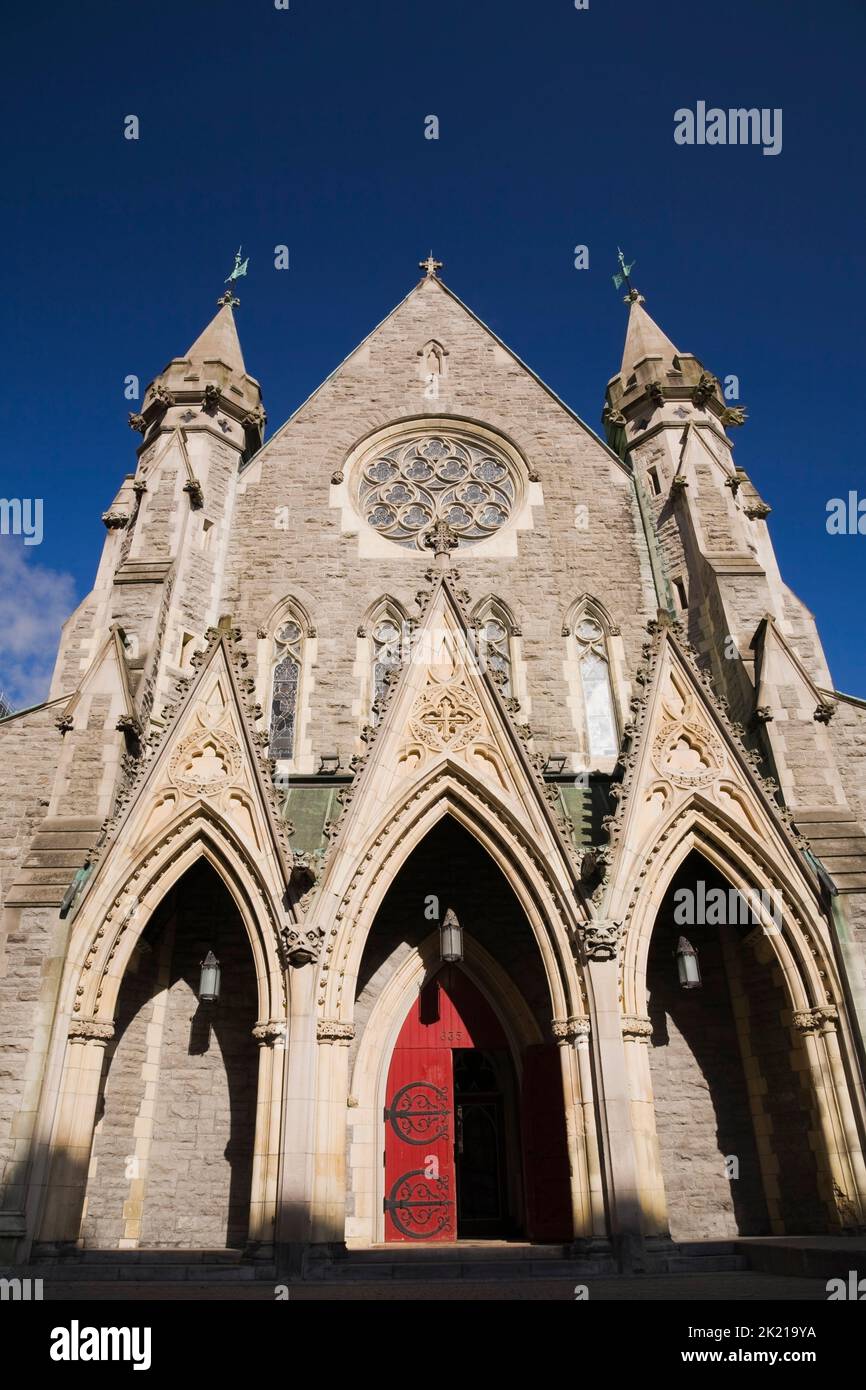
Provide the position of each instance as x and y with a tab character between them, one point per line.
431	266
239	269
622	278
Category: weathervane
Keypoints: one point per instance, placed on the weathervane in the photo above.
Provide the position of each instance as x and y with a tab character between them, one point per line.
621	278
431	266
240	268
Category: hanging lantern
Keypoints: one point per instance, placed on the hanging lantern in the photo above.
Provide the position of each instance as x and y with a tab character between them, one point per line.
450	937
687	964
209	984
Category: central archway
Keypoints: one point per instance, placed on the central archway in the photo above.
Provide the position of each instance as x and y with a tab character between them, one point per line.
473	1040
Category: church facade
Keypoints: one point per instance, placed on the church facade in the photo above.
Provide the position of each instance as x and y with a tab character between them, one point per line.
442	827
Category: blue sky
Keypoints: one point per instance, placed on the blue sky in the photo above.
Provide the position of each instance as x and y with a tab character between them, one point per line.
306	128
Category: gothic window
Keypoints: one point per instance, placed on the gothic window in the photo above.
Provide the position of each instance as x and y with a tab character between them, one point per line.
404	487
494	644
285	686
595	686
386	638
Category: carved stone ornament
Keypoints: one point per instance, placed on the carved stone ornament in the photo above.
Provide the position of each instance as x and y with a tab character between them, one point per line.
656	393
212	395
757	511
704	390
570	1029
270	1034
84	1030
689	755
196	494
115	520
205	762
637	1026
160	395
821	1019
334	1030
137	422
733	415
446	716
763	714
824	711
601	939
302	944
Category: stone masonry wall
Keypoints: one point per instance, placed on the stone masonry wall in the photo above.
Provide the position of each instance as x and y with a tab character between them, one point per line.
319	564
196	1172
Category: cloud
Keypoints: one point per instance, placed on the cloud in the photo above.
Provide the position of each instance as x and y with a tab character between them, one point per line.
34	604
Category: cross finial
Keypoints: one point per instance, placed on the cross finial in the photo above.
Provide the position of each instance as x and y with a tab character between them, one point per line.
431	266
441	539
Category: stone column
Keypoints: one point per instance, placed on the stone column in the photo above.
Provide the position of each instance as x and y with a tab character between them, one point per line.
587	1195
297	1135
616	1132
636	1033
72	1138
329	1194
835	1114
271	1038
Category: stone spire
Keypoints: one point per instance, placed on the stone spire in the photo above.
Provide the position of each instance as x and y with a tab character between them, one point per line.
209	387
644	339
219	342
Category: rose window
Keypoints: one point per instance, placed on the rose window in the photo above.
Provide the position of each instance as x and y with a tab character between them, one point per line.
406	487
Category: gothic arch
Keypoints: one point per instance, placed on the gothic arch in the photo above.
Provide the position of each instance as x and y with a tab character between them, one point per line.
378	650
384	605
102	941
277	658
113	917
369	1073
745	863
812	990
385	848
587	604
596	707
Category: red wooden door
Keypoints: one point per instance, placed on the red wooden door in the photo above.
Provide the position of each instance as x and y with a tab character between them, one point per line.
420	1191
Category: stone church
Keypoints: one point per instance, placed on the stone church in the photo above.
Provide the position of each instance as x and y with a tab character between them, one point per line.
442	827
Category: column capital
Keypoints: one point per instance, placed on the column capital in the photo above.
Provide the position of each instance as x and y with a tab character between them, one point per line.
570	1030
637	1027
334	1030
84	1030
270	1034
822	1019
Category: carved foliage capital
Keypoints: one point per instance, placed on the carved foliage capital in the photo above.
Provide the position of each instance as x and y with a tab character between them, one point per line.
84	1030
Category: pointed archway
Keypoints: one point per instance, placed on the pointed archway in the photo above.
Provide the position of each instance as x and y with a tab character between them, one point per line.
476	1038
172	1158
738	1141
